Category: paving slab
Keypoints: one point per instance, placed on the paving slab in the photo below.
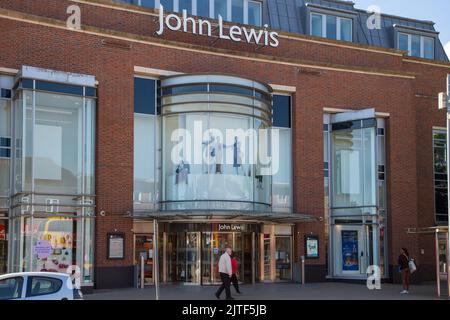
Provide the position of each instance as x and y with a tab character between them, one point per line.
272	291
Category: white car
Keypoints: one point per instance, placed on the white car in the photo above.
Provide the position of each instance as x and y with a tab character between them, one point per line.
38	286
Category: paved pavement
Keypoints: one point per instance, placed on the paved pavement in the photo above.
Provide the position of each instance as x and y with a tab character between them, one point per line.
270	291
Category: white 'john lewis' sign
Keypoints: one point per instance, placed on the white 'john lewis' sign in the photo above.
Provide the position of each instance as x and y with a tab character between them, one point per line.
204	27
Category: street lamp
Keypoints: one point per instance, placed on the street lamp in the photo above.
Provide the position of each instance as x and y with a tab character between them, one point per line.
444	103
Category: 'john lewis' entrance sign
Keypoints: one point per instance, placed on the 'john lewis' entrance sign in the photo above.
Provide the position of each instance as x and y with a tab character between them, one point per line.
204	27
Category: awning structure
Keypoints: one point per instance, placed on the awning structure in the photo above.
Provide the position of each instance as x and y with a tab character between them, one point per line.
442	276
183	215
430	230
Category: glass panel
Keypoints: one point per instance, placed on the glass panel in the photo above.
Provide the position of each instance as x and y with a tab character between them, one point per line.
220	242
346	29
440	176
254	13
428	48
263	178
403	42
28	140
144	162
58	143
283	258
60	236
185	5
4	180
354	168
237	11
282	178
18	141
90	147
415	46
5	118
88	261
167	4
143	248
146	3
3	246
203	8
267	257
207	277
331	27
316	25
144	96
220	8
193	257
281	111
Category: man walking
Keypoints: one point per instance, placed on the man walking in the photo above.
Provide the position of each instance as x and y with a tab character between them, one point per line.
225	271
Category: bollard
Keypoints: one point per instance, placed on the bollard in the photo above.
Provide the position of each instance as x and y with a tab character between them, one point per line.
142	272
303	270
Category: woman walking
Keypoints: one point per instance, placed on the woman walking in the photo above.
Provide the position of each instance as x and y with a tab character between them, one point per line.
403	263
234	268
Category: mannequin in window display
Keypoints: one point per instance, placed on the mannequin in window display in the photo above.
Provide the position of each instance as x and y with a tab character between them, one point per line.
237	157
181	173
219	146
209	154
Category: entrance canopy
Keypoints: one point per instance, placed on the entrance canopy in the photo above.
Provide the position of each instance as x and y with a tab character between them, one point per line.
275	217
430	230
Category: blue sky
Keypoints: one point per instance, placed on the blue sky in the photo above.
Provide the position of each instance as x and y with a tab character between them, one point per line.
434	10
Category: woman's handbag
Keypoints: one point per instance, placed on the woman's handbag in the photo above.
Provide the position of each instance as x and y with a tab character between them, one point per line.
412	266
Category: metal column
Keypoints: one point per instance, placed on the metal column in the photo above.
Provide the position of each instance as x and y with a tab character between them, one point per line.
156	258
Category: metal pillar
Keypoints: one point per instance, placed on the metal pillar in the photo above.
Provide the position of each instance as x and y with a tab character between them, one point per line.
156	258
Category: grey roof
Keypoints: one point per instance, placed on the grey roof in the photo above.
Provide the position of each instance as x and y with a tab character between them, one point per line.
290	16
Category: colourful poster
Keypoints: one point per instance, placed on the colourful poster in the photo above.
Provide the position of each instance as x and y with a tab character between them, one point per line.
350	257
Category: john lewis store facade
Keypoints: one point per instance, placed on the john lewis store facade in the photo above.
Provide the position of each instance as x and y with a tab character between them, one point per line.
183	129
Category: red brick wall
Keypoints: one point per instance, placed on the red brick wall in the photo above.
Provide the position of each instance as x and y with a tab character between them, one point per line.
409	157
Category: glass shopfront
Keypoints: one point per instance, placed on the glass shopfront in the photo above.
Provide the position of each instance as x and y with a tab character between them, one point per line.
53	198
192	256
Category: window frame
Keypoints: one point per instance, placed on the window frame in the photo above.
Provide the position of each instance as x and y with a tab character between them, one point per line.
339	19
229	18
437	130
29	288
422	44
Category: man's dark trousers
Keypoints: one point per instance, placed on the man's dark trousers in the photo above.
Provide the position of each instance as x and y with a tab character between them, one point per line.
226	282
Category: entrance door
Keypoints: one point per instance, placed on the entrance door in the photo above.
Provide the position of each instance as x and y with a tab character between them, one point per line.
193	257
144	250
349	251
220	241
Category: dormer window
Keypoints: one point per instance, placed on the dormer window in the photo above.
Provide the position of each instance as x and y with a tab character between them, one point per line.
416	45
239	11
331	27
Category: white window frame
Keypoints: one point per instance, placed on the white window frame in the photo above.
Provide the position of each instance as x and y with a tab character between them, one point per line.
246	2
176	8
422	44
324	25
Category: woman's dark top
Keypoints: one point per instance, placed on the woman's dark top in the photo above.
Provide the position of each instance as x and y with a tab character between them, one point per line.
403	262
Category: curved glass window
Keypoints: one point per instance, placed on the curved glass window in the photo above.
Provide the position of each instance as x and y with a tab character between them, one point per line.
215	150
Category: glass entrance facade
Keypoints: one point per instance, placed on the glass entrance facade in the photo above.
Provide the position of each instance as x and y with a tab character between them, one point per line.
192	257
52	197
357	213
